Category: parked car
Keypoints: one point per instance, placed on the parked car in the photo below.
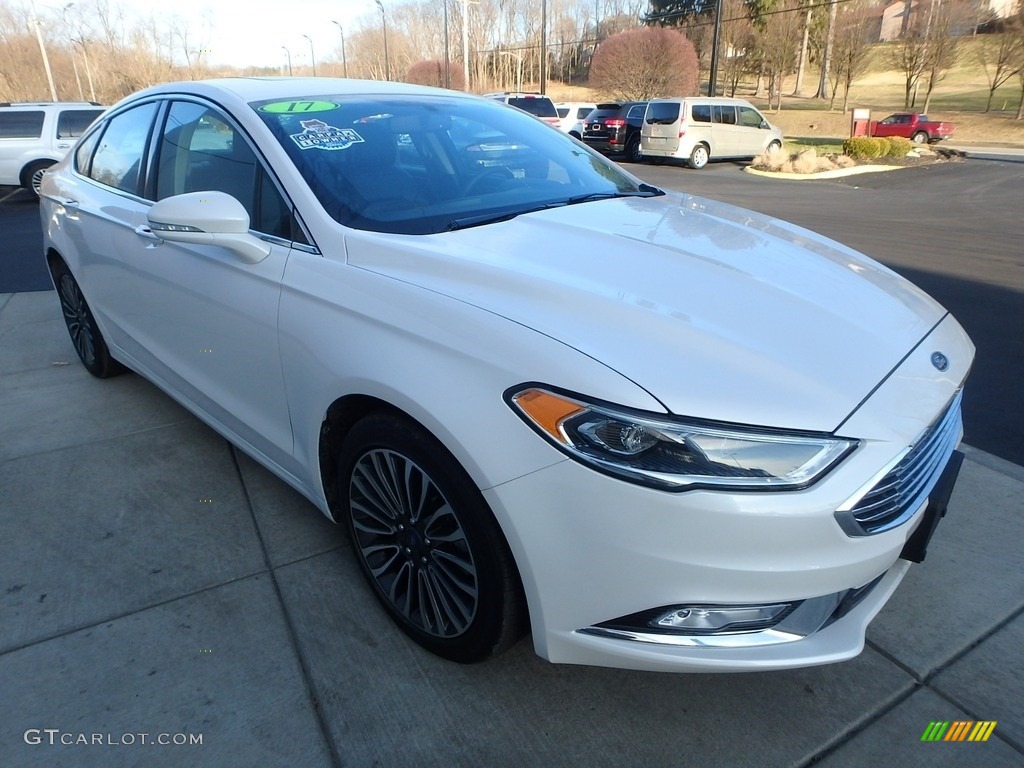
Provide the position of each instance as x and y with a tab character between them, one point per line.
35	135
571	115
913	126
537	104
614	128
678	436
697	129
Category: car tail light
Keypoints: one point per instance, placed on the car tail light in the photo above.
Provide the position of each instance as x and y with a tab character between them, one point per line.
682	132
615	122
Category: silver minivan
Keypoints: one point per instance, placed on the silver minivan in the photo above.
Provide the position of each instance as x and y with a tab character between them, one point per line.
696	129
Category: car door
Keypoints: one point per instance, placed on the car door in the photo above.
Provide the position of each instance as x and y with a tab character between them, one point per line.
753	132
725	140
102	206
208	325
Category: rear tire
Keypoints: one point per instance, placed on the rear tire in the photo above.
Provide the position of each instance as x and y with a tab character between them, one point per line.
699	157
32	176
426	541
920	138
85	333
633	154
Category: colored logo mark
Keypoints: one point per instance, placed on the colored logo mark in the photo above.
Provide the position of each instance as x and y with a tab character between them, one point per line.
958	730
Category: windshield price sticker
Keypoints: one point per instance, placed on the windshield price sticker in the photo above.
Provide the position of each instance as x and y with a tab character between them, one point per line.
298	107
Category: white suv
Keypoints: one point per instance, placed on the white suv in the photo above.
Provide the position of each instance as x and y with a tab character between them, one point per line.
537	104
34	136
571	115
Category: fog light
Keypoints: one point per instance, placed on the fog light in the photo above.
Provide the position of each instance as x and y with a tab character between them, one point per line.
713	619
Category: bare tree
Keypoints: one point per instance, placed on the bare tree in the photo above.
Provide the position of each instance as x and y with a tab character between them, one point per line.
851	51
941	54
431	72
1001	57
826	59
777	31
643	63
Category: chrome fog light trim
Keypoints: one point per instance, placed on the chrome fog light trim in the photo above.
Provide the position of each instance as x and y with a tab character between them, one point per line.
732	626
713	619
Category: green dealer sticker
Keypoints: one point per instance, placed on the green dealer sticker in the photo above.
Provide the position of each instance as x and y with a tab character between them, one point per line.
298	107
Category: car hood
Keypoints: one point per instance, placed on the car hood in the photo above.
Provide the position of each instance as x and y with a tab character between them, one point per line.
716	311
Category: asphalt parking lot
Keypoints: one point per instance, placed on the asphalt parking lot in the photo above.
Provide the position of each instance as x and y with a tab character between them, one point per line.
155	581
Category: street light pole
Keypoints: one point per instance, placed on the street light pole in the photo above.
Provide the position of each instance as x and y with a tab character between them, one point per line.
42	50
312	56
384	22
344	61
447	55
289	54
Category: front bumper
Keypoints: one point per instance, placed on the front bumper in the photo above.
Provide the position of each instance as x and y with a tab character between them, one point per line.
592	549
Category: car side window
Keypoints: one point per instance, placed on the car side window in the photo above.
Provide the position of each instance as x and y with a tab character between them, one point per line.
201	150
725	114
750	117
700	113
21	124
71	123
120	152
636	112
83	153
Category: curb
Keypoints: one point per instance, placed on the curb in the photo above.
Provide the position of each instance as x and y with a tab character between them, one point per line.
833	174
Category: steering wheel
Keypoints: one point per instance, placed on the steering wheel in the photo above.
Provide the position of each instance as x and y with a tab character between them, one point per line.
495	176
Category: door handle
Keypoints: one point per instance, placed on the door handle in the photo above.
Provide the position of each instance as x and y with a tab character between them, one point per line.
146	233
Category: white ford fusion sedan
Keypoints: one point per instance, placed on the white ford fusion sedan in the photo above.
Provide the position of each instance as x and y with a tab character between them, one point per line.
660	432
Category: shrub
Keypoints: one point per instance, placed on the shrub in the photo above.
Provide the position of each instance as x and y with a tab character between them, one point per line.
643	63
899	147
861	147
806	162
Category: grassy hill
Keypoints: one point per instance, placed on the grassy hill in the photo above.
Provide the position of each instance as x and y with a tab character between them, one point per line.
959	98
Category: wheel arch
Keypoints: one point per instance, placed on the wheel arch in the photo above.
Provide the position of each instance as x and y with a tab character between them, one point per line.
340	418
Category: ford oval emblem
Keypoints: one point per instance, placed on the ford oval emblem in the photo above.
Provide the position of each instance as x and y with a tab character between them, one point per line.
940	361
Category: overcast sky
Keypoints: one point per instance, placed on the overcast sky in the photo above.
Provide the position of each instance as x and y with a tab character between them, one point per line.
249	32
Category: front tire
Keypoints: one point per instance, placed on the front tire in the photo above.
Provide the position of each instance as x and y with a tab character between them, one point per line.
85	333
920	138
427	542
699	157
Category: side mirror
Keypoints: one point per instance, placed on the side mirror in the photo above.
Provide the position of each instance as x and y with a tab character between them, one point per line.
207	218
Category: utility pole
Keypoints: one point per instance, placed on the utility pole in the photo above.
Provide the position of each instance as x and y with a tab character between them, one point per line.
543	45
713	74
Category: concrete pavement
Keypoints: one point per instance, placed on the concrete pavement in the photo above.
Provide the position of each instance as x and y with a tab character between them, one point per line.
155	581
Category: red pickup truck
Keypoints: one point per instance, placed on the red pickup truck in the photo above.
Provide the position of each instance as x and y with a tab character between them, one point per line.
913	126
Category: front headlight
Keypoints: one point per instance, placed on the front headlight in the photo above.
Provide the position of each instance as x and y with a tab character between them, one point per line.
676	454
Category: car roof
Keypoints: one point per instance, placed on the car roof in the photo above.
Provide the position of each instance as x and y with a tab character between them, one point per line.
258	88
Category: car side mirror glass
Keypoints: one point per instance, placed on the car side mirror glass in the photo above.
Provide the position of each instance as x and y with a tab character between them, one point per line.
207	218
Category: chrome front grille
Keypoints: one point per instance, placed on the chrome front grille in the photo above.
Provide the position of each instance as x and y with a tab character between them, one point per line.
893	499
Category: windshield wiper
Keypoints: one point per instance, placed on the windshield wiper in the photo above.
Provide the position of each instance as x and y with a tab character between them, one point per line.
494	218
644	190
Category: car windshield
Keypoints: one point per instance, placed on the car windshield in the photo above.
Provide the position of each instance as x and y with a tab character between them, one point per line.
426	164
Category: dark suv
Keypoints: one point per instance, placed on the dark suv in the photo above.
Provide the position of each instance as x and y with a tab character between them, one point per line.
615	128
